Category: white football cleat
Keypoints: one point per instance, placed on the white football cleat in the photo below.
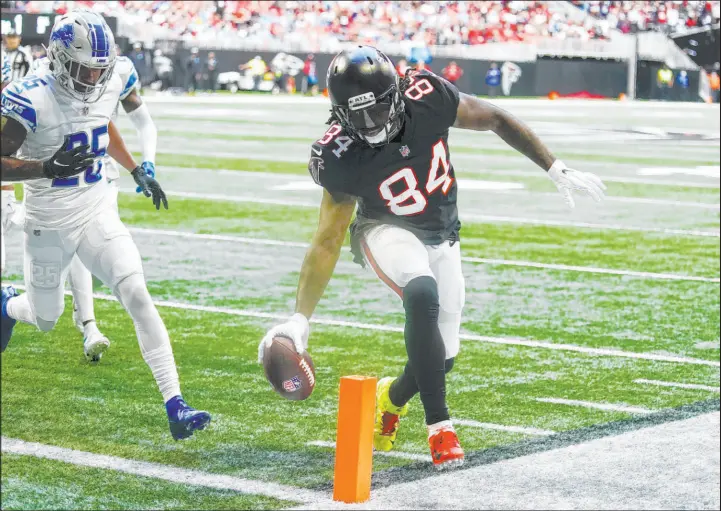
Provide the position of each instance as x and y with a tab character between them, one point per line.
94	345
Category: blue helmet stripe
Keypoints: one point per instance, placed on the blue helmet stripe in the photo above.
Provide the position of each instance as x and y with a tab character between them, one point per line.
99	41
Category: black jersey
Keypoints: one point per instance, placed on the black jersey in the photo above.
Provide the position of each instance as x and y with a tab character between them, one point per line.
409	182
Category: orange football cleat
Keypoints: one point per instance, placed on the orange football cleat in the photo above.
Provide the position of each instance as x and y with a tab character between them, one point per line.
446	450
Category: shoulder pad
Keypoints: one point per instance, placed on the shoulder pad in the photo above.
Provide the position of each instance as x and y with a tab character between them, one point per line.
125	69
437	95
21	100
329	157
334	142
39	65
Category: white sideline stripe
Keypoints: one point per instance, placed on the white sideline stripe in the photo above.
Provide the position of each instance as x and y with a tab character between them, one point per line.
588	225
219	237
387	328
473	217
388	454
679	385
617	179
231	198
481	260
663	202
598	406
165	472
591	269
500	427
285	177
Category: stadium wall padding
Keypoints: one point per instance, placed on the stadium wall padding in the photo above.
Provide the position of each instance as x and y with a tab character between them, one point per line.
563	75
567	76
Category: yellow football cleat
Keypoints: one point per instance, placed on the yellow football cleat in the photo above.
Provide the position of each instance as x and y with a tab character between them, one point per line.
387	416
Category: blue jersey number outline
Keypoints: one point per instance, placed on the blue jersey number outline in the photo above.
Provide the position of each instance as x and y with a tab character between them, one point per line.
93	173
31	82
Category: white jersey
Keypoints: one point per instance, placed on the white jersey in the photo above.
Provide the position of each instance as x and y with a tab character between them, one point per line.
6	73
125	69
49	114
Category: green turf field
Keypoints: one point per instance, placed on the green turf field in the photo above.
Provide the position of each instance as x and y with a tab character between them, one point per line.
231	245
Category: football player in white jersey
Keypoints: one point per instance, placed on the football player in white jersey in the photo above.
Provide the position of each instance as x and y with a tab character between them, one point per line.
79	277
10	210
57	125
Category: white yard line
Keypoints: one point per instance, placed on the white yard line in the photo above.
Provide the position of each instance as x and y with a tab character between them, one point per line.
388	454
694	386
469	217
625	200
591	269
285	178
501	427
479	260
588	225
231	198
598	406
165	472
611	179
606	352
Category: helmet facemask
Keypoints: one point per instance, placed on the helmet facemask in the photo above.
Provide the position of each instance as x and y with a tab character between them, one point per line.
375	121
85	81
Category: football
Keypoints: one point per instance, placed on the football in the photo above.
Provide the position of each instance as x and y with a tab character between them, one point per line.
291	375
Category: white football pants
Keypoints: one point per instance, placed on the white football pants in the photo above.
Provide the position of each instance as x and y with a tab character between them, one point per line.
105	247
397	256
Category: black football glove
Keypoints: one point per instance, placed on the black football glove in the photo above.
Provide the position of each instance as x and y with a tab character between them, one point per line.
66	163
149	186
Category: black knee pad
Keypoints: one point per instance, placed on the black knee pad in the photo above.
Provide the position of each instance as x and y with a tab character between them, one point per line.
420	299
449	364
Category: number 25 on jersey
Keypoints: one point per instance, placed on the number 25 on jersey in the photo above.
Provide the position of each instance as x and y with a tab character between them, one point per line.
99	139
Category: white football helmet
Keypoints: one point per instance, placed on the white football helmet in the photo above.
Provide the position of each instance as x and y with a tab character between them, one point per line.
82	54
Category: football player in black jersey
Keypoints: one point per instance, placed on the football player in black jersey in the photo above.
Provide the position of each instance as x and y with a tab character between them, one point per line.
387	151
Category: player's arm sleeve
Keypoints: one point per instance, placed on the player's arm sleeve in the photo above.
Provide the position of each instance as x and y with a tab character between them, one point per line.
17	105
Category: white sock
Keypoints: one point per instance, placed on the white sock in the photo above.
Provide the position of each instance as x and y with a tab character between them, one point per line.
162	365
90	329
438	426
81	284
19	309
152	334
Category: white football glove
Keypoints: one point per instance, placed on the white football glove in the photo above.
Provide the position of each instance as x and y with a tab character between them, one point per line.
296	329
567	180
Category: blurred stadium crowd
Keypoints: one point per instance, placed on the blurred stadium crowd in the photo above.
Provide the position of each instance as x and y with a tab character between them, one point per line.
325	23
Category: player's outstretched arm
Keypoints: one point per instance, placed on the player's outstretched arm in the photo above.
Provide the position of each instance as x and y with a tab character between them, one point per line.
479	115
118	150
63	163
139	115
147	183
316	271
336	213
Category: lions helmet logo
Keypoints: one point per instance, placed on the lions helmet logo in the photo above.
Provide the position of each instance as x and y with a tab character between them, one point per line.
64	34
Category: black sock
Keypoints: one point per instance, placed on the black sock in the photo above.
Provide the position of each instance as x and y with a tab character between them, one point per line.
424	344
404	387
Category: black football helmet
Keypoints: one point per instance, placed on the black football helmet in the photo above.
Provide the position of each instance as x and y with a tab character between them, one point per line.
364	92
